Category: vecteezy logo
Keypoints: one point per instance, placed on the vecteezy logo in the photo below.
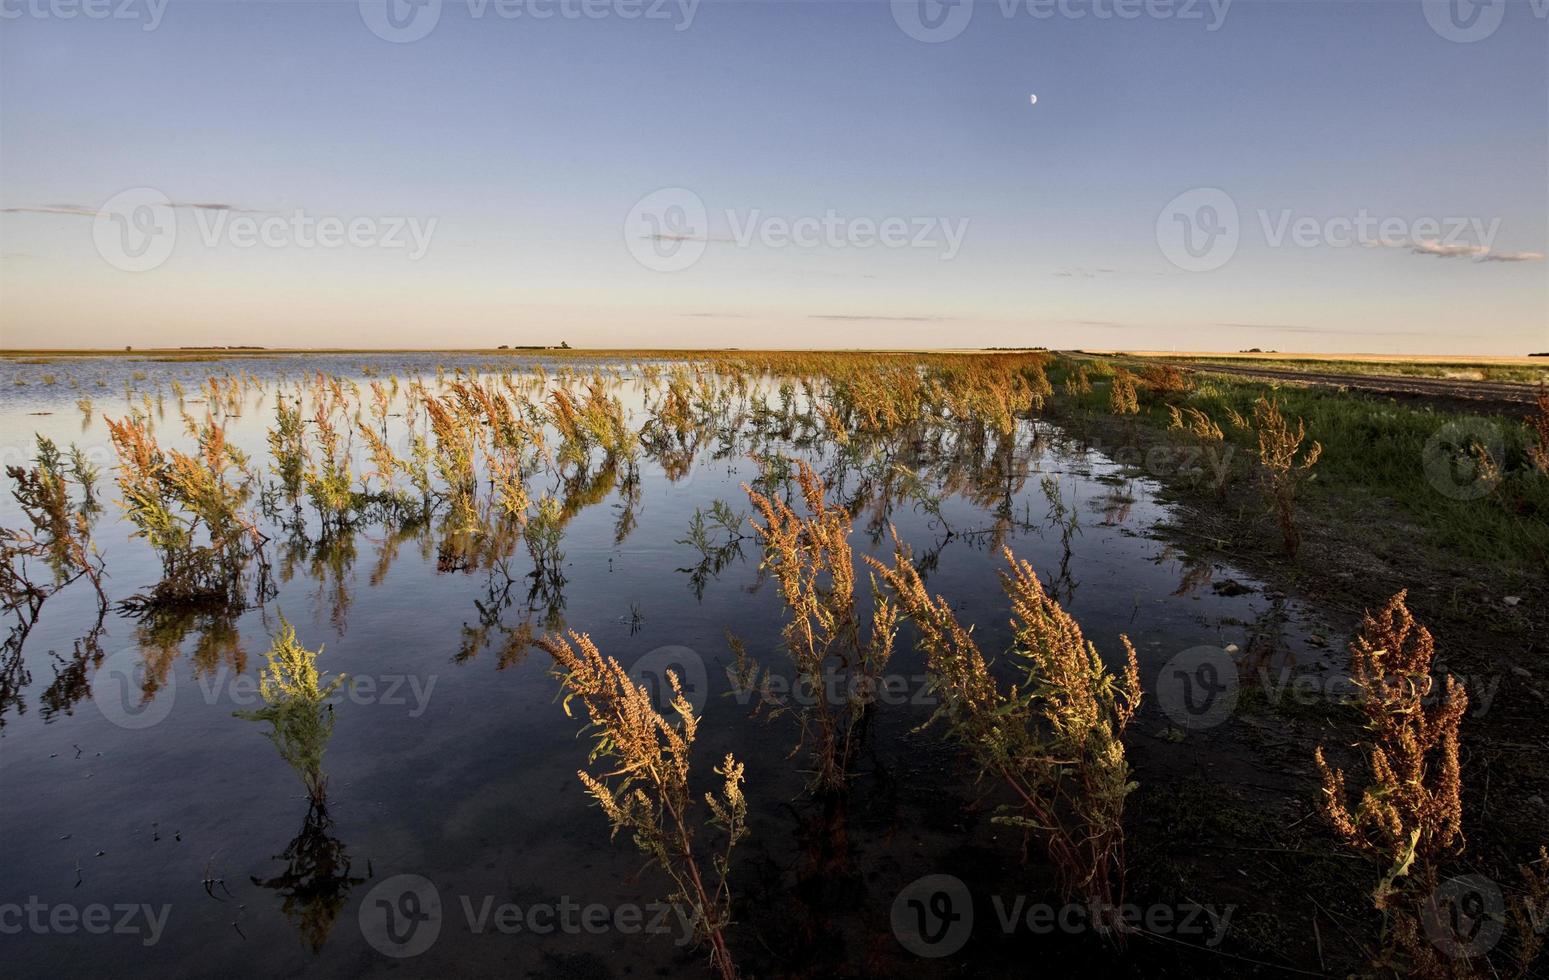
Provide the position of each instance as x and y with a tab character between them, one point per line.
933	916
932	20
1462	459
1465	917
400	21
401	916
651	672
666	230
126	694
135	230
1464	21
1198	687
1198	230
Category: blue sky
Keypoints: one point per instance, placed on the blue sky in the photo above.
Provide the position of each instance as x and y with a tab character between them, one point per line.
497	168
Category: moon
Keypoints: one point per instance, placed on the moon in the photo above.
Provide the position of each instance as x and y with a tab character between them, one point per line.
1032	100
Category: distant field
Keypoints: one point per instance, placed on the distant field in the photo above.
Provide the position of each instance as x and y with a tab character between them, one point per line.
219	353
1528	369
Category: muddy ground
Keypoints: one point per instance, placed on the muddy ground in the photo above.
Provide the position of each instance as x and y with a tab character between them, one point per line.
1240	814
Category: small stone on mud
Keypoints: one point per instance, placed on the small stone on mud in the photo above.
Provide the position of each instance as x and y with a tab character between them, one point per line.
1512	600
1232	648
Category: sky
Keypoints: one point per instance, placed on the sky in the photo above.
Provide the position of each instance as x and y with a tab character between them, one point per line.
1296	175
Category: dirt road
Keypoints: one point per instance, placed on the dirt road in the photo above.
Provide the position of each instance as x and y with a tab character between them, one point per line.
1502	397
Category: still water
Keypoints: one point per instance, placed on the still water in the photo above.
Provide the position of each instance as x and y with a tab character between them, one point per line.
155	833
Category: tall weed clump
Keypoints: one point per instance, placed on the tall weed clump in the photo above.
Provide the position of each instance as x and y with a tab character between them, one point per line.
193	511
1408	816
1123	398
644	787
1284	464
595	422
327	477
1054	738
1194	421
59	537
1077	382
296	707
811	561
1165	381
457	439
61	526
1538	422
287	447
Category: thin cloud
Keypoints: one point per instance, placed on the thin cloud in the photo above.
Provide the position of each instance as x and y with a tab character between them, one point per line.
1081	272
1441	251
820	274
1460	250
661	237
84	211
878	319
70	209
1317	331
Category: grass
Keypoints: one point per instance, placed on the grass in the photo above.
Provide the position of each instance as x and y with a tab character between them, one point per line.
1384	458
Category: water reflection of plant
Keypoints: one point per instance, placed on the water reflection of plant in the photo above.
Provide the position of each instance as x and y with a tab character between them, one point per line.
161	633
329	562
1068	520
543	535
628	505
510	642
718	538
315	885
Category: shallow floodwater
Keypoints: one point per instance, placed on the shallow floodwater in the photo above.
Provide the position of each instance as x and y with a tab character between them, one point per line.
451	759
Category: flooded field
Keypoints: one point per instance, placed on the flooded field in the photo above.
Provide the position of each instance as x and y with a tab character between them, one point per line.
422	522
